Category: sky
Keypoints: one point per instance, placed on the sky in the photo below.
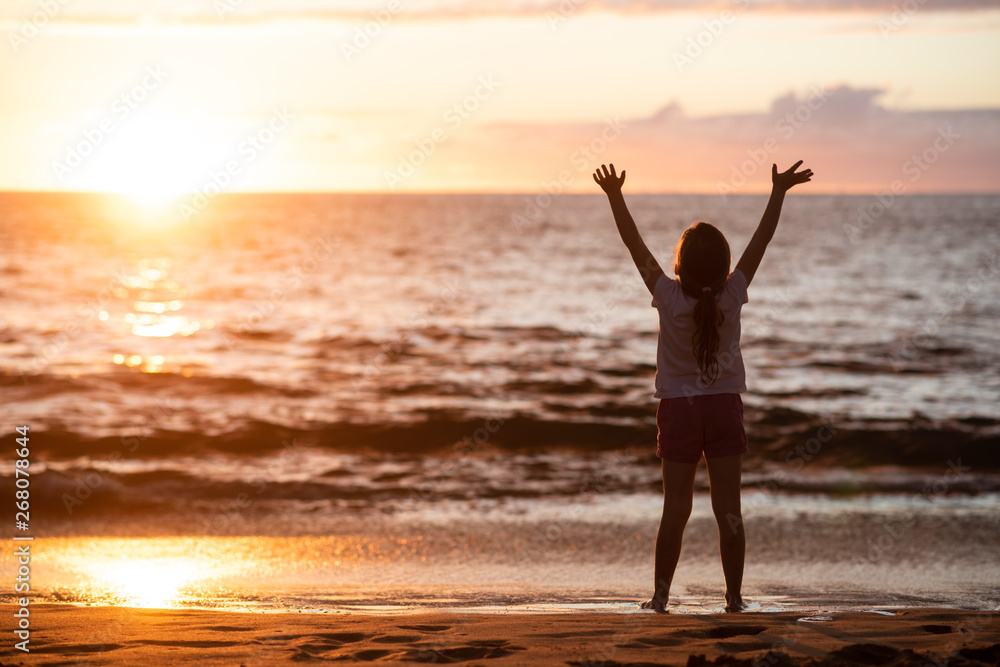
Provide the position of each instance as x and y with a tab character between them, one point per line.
154	99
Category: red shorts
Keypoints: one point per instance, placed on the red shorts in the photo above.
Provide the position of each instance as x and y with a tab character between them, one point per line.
712	424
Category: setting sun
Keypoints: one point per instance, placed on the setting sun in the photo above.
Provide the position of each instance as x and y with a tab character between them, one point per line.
153	160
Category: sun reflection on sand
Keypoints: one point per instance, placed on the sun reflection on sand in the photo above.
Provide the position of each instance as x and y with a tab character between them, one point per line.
219	572
136	572
150	583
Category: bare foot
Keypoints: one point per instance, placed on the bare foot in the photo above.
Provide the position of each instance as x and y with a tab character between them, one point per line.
735	605
654	605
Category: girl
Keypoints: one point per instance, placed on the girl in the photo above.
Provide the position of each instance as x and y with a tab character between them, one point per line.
700	375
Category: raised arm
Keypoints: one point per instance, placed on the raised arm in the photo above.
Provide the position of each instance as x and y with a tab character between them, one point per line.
648	267
780	184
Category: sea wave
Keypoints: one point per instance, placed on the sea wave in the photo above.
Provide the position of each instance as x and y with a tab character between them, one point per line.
450	457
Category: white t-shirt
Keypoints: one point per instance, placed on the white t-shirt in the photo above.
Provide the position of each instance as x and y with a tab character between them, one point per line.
677	372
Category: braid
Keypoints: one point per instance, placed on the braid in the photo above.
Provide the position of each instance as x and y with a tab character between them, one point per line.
703	262
705	342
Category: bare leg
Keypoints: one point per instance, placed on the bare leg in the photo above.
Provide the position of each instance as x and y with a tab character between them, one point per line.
724	473
678	487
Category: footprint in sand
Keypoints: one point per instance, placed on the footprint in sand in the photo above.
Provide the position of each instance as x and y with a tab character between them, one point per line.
396	639
722	631
76	648
319	643
425	628
371	654
566	635
478	650
865	654
339	637
187	644
742	647
727	631
651	642
937	629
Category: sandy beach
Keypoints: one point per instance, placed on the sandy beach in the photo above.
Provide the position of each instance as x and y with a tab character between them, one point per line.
66	634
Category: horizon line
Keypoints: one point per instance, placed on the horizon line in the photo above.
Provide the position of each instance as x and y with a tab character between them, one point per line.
183	196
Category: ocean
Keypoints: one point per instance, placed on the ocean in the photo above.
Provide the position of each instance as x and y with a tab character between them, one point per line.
368	402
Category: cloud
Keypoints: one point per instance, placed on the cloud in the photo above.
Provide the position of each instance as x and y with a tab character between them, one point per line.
852	142
188	13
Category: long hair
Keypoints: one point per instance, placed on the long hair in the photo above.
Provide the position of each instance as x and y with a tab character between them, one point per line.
702	260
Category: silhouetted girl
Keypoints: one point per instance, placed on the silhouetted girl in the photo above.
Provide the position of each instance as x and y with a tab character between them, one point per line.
700	375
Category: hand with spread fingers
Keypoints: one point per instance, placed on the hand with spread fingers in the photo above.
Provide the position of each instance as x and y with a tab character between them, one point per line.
785	180
610	182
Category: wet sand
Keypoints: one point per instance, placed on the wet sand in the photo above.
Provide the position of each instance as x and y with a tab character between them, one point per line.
67	634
